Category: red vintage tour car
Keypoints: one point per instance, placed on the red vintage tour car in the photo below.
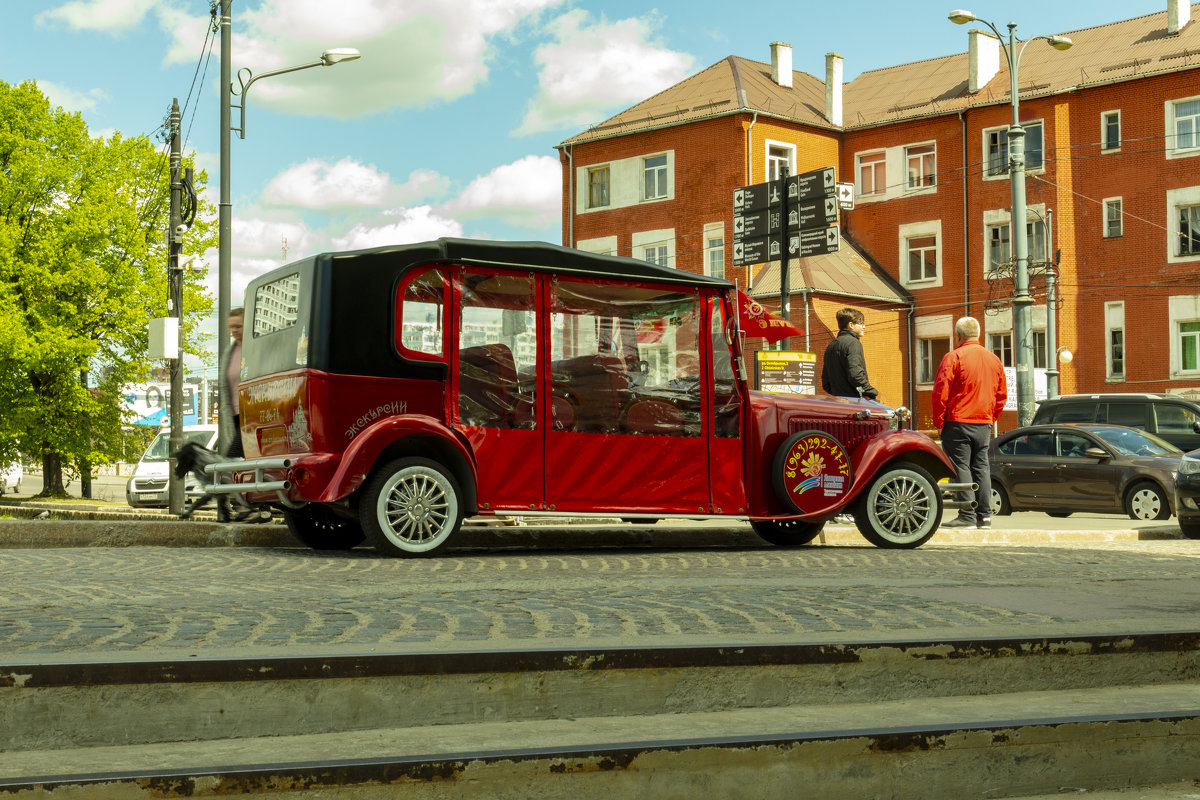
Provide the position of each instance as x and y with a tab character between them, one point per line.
389	393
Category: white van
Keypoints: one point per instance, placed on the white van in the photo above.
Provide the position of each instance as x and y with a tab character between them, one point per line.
148	486
10	478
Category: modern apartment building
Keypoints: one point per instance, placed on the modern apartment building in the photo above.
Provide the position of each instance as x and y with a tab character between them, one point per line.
1113	195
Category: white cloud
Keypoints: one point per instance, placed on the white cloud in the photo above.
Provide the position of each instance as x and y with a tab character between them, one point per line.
413	53
527	193
70	99
407	225
107	16
256	238
591	68
349	184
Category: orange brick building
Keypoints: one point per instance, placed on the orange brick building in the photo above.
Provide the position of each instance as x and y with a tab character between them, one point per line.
1113	195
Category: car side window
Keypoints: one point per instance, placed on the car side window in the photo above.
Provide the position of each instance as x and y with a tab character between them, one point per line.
1174	419
1028	444
1131	415
1074	412
1073	445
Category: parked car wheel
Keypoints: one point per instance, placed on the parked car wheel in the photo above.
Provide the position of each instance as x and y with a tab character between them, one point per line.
321	529
788	532
1001	507
1190	529
411	507
1147	501
900	509
1058	514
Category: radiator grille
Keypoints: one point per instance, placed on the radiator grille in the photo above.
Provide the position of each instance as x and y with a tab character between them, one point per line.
850	432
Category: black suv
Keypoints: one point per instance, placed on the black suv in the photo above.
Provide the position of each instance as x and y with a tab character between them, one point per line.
1169	416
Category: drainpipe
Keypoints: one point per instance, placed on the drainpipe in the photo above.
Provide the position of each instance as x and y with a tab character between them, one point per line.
912	364
749	178
570	197
966	221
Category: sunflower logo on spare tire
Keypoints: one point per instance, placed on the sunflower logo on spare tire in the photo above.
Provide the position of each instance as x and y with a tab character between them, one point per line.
813	465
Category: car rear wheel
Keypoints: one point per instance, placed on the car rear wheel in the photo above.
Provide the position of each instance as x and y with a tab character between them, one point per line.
321	529
787	532
411	507
1147	501
900	509
1001	507
1059	514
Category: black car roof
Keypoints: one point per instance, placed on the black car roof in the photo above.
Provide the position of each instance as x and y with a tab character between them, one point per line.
538	256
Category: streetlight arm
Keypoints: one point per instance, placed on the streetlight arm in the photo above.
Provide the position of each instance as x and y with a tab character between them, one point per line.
246	79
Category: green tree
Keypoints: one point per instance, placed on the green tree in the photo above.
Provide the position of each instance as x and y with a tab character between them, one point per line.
82	271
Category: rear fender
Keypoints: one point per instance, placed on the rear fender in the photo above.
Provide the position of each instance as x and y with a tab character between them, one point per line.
879	451
395	437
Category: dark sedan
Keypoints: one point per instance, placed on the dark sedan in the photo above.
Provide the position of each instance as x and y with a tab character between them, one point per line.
1064	468
1187	494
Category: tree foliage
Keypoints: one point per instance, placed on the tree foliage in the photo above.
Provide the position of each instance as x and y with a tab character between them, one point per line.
83	268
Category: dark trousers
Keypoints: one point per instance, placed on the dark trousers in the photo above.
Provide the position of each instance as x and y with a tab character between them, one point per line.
966	445
235	442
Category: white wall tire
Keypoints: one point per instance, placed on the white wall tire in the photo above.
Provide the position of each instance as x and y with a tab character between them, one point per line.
901	509
411	507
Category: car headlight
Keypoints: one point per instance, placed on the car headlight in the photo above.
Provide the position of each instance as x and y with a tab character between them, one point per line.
1189	465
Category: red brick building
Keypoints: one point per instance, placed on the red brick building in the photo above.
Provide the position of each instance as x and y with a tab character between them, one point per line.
1113	193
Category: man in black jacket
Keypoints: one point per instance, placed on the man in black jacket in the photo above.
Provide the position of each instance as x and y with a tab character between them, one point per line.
844	373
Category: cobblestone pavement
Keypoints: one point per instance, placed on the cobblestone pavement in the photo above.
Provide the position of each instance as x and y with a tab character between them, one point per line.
174	602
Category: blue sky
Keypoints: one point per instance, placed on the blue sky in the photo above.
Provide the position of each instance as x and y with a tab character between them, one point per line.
447	124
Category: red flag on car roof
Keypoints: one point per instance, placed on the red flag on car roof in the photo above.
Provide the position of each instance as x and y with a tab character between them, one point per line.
757	321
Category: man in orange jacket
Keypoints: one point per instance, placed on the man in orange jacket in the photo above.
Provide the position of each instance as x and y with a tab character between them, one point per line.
969	393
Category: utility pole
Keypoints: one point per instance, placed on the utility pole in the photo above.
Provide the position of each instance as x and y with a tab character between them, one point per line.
225	240
175	292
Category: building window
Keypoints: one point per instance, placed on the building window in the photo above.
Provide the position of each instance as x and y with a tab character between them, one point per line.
1000	254
930	353
1187	125
1110	130
1001	345
922	164
996	146
654	169
598	196
655	254
872	173
1112	217
1039	349
1116	353
1189	346
922	258
1189	230
714	249
779	158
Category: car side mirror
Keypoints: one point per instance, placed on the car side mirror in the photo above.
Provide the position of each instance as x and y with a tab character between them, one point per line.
1196	426
1096	452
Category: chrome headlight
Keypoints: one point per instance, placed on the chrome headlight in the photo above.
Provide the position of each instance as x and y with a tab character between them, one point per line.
1189	465
900	418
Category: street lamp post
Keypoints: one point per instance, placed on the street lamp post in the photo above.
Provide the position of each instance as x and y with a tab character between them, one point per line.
225	208
1022	302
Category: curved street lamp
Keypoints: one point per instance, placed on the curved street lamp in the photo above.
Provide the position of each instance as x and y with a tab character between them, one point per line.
1022	313
225	208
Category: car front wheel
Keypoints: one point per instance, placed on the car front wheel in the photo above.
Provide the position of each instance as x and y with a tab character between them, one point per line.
900	509
1190	529
411	507
1147	501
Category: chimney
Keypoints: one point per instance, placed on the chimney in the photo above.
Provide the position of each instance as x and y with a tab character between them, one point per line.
781	64
985	59
833	88
1179	13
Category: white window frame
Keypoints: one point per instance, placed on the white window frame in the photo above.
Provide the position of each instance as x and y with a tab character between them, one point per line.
876	162
918	230
1114	322
596	169
1181	309
1002	345
1174	150
714	249
1187	197
659	174
926	166
601	245
1039	348
643	241
1111	230
1001	218
1105	116
773	162
989	174
928	330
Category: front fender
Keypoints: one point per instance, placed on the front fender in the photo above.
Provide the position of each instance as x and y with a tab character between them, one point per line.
372	442
878	451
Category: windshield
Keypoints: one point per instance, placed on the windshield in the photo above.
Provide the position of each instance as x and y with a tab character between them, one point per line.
160	448
1136	443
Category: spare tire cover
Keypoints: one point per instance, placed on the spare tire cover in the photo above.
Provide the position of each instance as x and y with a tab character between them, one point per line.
812	472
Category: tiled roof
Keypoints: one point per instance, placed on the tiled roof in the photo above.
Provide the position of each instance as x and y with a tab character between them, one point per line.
1104	54
845	272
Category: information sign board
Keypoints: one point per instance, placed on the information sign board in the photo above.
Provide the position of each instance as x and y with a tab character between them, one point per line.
786	371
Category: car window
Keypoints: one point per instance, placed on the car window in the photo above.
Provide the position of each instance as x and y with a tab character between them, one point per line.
1073	412
1170	418
1027	444
1130	442
1131	414
1073	445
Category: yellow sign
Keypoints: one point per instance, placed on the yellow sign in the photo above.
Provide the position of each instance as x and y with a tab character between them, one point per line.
786	372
